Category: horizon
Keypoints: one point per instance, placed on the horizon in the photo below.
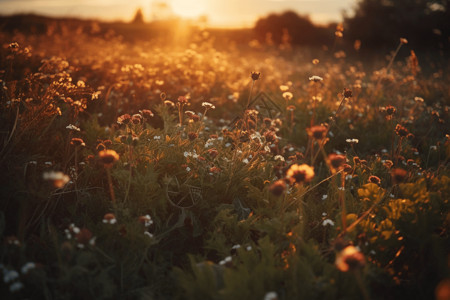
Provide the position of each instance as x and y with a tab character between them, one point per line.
219	13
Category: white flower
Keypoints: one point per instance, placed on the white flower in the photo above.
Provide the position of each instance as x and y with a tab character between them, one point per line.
245	161
279	157
27	267
249	248
10	275
157	137
148	234
16	286
327	222
188	169
235	247
72	127
324	197
186	154
271	296
208	105
315	78
433	148
352	141
226	260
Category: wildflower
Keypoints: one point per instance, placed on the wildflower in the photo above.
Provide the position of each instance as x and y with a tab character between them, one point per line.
213	152
288	96
109	219
72	127
284	88
315	61
108	157
374	179
390	110
145	220
58	179
279	157
10	275
270	136
255	75
398	175
418	99
324	197
146	113
208	105
300	173
16	286
271	296
192	135
349	259
352	141
27	267
214	170
401	131
317	132
245	161
278	187
189	113
290	108
124	119
347	93
183	100
336	161
327	222
315	78
227	261
136	119
169	103
388	163
148	234
403	41
84	237
77	142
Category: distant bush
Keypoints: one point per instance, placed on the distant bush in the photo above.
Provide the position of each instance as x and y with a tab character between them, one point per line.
290	27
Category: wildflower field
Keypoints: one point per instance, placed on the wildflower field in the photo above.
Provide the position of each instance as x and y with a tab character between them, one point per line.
143	170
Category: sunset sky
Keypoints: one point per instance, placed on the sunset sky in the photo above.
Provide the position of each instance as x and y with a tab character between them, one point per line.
222	13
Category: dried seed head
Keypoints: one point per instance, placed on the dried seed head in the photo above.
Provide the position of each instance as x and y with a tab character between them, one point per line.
255	75
401	131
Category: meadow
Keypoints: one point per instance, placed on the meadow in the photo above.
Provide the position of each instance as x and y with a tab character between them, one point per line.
149	170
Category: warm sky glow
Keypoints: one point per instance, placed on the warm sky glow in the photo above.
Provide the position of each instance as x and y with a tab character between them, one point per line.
234	13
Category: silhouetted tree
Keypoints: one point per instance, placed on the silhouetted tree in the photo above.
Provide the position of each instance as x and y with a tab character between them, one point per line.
138	17
300	29
425	23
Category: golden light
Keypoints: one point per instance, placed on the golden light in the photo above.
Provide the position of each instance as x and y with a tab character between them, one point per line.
189	9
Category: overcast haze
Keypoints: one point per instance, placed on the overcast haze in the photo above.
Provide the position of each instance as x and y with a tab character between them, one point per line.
233	13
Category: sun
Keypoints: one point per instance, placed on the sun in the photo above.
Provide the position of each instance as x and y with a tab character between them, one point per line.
189	9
